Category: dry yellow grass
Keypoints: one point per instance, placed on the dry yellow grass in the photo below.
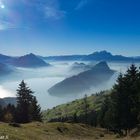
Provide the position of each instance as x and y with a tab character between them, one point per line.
56	131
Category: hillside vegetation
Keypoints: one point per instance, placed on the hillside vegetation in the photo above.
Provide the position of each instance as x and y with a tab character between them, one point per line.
117	111
77	106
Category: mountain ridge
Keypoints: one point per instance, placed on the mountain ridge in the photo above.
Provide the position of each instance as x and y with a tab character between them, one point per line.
95	56
82	82
29	60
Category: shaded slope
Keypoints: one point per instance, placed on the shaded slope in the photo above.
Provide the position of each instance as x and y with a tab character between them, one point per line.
4	58
82	82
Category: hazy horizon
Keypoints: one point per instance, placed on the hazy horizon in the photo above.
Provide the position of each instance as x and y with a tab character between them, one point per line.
68	54
41	79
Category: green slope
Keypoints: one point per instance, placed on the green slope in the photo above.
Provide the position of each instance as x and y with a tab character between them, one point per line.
69	109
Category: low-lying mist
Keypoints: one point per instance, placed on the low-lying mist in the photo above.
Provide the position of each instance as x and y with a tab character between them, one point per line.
41	79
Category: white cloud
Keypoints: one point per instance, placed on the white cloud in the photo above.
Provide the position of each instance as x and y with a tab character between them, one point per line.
81	4
5	93
54	13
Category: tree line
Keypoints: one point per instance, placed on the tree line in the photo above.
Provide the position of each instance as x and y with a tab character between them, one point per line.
121	109
26	110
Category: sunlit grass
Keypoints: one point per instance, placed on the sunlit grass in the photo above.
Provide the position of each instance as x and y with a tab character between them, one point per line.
56	131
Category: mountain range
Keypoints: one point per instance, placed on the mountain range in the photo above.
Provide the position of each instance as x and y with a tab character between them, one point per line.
84	81
36	59
96	56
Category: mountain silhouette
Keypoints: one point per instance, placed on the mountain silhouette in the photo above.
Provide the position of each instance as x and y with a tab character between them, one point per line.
29	60
82	82
106	56
96	56
4	58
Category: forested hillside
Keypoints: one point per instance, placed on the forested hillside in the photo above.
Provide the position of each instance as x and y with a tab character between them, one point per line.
117	110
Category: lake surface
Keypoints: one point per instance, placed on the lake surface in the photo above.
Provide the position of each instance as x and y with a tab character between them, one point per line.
40	80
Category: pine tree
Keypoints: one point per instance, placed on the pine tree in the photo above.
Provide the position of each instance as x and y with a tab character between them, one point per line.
132	89
28	108
1	113
75	117
85	108
101	114
24	98
124	101
35	110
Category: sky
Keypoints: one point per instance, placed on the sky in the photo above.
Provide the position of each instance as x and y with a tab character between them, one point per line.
61	27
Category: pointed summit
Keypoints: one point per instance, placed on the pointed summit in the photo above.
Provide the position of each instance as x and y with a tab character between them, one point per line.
105	53
106	56
102	66
84	81
29	60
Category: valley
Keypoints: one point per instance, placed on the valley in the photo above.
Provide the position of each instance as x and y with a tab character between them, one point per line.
41	79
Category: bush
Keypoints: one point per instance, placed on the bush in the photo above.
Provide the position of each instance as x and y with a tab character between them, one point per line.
15	124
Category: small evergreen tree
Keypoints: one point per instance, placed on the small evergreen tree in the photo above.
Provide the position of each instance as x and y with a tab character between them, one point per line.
24	97
85	108
35	110
75	118
102	112
27	108
1	113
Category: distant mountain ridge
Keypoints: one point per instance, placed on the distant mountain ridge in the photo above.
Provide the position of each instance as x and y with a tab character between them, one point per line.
64	57
107	56
29	60
96	56
82	82
4	58
79	67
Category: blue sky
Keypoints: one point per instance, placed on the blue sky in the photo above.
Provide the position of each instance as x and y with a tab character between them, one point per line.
55	27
